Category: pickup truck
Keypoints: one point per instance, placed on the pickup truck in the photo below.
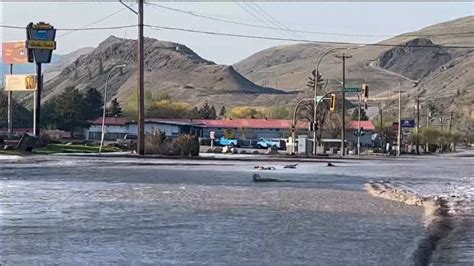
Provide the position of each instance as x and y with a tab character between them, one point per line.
268	143
227	142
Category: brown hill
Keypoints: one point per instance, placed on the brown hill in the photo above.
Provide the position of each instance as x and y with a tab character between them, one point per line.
169	67
445	74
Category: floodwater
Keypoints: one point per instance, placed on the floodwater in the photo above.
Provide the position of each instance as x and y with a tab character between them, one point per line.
71	210
80	210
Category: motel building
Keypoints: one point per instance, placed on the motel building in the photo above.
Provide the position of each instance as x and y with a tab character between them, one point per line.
118	127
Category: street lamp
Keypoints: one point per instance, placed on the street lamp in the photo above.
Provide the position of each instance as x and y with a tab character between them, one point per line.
316	93
105	105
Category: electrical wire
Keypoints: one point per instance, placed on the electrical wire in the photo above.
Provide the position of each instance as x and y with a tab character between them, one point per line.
195	14
93	23
304	40
156	27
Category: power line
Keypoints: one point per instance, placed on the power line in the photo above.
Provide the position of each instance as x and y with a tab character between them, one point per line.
270	17
93	23
279	28
256	17
156	27
74	29
303	40
269	20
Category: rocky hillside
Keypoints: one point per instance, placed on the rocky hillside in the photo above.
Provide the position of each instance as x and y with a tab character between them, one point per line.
169	67
445	75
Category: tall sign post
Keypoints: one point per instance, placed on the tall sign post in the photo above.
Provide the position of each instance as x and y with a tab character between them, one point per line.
40	44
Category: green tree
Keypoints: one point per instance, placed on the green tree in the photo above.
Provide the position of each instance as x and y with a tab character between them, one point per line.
363	115
206	111
93	104
114	109
49	116
222	111
70	110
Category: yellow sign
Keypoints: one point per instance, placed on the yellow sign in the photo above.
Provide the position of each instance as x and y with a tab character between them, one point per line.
21	82
43	45
229	133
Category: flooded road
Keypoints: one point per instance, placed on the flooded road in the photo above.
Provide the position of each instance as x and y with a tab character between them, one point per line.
80	210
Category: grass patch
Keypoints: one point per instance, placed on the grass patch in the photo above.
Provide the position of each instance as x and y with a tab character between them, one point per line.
4	152
63	148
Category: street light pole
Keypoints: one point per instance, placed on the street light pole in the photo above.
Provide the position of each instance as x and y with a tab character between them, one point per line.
315	142
105	105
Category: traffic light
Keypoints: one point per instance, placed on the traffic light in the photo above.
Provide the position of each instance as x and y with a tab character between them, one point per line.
365	91
332	106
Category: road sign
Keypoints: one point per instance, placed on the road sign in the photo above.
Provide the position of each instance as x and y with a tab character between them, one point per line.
212	134
14	52
407	123
351	90
41	45
20	82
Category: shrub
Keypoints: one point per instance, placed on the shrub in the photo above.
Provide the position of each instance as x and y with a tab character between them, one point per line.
187	145
153	141
45	139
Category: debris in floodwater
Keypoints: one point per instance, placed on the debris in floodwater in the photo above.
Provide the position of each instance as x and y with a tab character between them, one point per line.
290	166
261	167
331	165
257	178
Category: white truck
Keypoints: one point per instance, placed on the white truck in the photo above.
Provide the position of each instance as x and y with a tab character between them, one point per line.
269	143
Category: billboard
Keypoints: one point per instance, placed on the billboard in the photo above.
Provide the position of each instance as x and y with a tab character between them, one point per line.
14	52
21	82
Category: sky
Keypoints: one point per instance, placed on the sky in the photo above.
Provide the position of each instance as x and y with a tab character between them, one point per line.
359	18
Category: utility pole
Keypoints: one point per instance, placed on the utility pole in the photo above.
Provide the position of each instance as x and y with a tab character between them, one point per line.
417	124
10	109
427	147
450	123
399	135
140	83
343	109
382	144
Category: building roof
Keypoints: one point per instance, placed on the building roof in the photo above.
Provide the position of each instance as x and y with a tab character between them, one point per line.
178	122
367	125
208	123
110	121
252	123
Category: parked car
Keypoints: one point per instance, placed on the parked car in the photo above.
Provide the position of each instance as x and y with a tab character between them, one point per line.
269	143
128	141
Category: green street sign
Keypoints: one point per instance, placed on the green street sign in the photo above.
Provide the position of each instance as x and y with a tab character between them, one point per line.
351	90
